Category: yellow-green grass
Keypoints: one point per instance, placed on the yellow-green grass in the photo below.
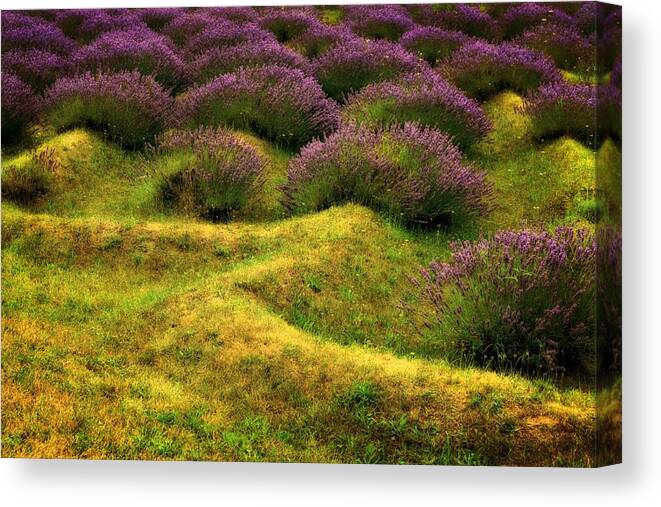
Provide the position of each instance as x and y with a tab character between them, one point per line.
133	331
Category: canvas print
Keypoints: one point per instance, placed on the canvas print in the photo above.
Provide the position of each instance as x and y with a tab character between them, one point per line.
337	234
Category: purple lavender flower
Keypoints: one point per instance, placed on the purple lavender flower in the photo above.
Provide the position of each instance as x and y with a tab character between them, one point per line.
348	67
378	21
218	176
218	61
287	24
432	44
319	38
28	32
522	300
412	173
19	107
524	16
281	104
568	48
587	17
223	33
559	109
480	68
469	19
422	97
140	49
36	67
129	107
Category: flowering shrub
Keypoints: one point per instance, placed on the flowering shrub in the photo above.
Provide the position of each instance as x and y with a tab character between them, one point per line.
87	24
610	41
279	103
184	27
287	24
378	21
216	173
19	107
348	67
480	68
524	16
412	173
128	107
251	54
425	98
222	33
319	38
568	48
522	300
427	14
140	50
36	67
587	16
609	112
432	44
563	109
27	32
157	17
469	19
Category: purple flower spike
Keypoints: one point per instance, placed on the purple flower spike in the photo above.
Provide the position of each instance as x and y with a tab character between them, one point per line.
222	33
287	24
523	300
412	173
281	104
481	69
422	97
319	38
183	28
129	107
348	67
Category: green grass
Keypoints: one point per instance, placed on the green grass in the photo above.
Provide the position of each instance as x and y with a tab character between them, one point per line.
133	332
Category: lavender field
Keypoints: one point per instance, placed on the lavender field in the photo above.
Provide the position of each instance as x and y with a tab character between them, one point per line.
345	234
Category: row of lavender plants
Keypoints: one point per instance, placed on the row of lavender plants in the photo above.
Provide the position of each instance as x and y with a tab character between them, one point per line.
479	51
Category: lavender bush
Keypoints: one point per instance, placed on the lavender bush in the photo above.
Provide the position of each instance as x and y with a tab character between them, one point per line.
156	18
182	28
86	25
563	109
348	67
140	49
481	69
127	107
27	32
469	19
522	300
568	48
587	17
423	97
378	21
236	14
218	61
525	16
319	38
222	33
36	67
216	173
412	173
432	44
287	24
279	103
19	107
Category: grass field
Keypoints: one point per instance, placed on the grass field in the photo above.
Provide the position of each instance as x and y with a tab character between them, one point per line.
133	331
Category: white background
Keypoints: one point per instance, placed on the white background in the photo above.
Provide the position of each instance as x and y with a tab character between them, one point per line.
636	482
